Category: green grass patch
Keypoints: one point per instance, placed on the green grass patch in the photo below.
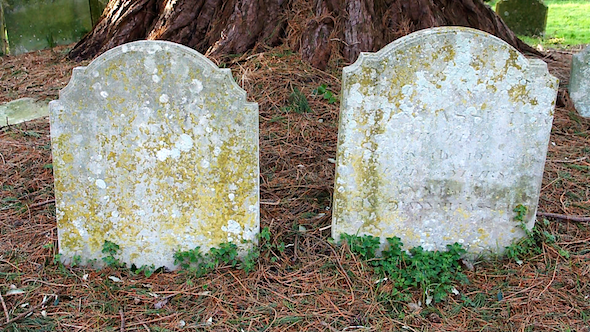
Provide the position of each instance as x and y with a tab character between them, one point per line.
568	24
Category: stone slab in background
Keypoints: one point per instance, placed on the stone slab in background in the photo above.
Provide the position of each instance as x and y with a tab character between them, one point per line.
524	17
579	86
156	150
442	134
21	110
30	28
3	40
96	9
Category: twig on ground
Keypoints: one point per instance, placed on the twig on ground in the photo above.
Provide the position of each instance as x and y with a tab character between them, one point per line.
122	320
21	316
564	217
153	320
552	278
271	203
42	203
9	263
568	161
4	307
47	283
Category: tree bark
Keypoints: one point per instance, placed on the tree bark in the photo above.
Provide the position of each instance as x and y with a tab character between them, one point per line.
318	29
371	24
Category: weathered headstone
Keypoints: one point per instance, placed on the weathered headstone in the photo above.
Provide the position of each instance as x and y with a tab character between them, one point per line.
524	17
3	37
579	87
21	110
155	149
96	9
30	28
442	134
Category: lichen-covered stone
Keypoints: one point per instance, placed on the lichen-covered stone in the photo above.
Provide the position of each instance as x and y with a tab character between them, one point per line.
156	150
442	134
579	87
21	110
524	17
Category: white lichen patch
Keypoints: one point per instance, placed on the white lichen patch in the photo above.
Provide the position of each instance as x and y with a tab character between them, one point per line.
155	149
100	184
442	133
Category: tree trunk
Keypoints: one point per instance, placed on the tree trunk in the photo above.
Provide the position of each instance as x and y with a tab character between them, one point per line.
317	28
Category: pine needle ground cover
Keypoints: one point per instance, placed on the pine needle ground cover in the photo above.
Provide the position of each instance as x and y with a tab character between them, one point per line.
300	281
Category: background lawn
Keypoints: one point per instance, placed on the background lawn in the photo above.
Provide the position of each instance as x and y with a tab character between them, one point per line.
568	24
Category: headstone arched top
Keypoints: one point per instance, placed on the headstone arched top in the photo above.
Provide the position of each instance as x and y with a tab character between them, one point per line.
442	134
156	150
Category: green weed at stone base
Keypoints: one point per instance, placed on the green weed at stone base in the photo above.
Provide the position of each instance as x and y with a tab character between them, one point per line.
433	272
111	249
147	270
199	264
532	243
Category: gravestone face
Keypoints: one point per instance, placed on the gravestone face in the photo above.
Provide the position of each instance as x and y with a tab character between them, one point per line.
442	134
523	17
579	87
156	150
30	28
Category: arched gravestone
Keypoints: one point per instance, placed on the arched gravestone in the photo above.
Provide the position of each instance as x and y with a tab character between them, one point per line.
156	150
442	134
524	17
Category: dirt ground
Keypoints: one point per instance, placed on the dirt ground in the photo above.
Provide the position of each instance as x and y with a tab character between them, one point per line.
310	286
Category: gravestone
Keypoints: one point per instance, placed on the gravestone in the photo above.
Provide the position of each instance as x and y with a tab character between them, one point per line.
155	149
443	133
579	86
21	110
524	17
3	37
30	28
96	9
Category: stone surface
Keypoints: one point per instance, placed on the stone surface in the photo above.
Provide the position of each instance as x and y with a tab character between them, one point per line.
442	134
3	39
96	9
21	110
524	17
156	150
579	87
30	28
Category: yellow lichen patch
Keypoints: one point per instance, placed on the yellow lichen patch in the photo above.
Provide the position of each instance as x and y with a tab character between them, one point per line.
518	93
67	157
448	52
427	135
483	234
159	154
464	214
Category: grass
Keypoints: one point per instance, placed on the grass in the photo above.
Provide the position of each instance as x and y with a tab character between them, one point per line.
568	24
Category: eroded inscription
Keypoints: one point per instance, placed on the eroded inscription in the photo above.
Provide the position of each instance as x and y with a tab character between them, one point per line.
442	133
